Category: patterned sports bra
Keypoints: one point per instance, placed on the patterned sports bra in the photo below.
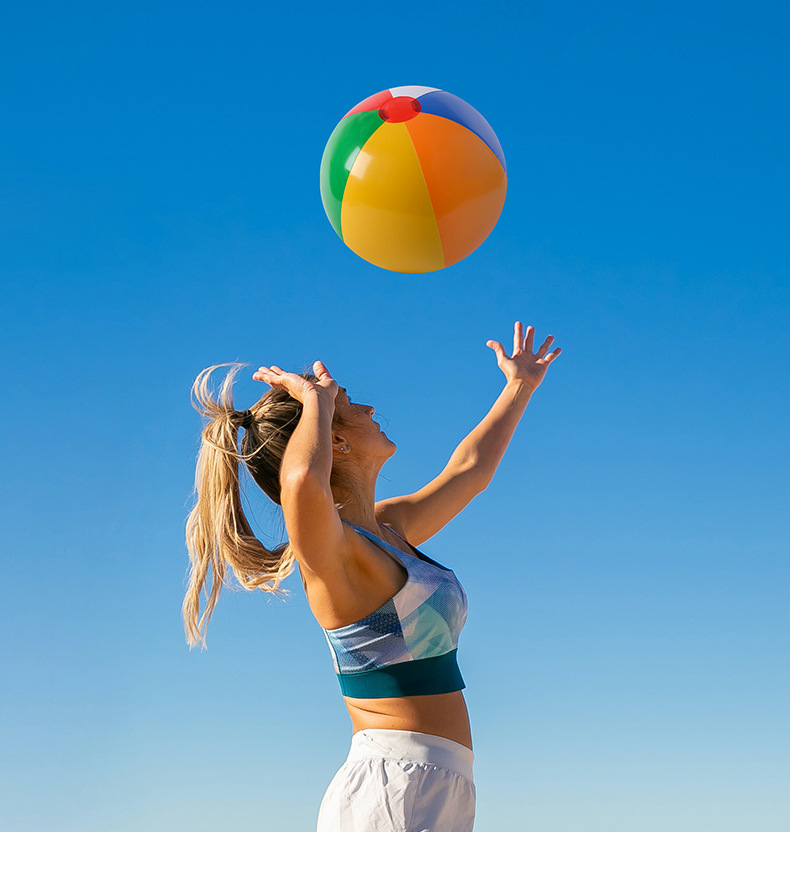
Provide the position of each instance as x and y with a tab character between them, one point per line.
408	646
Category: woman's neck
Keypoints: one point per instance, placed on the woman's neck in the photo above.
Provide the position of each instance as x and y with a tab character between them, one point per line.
357	505
354	491
357	511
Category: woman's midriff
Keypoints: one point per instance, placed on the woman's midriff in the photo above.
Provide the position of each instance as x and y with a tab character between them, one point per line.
438	714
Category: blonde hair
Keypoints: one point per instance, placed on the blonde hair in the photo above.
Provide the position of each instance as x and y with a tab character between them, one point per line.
218	534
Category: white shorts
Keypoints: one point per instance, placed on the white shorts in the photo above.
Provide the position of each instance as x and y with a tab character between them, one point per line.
397	781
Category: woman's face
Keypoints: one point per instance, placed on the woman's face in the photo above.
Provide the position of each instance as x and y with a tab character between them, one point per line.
355	423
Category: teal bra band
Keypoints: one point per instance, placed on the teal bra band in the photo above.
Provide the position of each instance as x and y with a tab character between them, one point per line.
439	675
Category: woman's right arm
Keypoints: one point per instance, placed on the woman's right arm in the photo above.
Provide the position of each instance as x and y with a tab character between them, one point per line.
311	518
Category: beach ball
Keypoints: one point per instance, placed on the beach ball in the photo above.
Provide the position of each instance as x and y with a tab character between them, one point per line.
413	179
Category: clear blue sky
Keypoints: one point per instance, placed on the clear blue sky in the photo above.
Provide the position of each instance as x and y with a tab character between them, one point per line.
627	646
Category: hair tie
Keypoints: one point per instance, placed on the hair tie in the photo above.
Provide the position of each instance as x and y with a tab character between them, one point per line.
246	420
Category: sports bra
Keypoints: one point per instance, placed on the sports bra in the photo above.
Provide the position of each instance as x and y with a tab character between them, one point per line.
408	646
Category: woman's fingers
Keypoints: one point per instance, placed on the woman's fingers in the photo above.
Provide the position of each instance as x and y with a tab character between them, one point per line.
498	349
295	384
530	339
522	340
262	373
545	346
273	375
320	370
325	379
518	337
268	376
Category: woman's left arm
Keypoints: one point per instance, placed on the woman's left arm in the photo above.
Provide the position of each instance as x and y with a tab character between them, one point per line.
474	461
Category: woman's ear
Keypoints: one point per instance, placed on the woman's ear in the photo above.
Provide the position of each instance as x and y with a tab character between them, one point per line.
340	443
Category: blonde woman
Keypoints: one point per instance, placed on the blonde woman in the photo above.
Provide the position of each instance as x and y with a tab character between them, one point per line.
391	615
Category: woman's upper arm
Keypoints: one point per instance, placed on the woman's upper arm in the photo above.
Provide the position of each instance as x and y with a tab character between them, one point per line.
315	531
424	513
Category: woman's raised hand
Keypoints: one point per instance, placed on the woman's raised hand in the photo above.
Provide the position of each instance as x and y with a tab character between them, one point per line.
524	366
295	385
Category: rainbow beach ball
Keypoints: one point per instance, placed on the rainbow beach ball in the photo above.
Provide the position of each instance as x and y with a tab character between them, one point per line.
413	179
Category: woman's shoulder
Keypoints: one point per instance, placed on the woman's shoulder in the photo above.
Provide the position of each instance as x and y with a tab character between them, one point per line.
389	517
368	577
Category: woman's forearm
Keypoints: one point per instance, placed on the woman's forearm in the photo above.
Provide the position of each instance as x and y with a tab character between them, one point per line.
309	450
481	451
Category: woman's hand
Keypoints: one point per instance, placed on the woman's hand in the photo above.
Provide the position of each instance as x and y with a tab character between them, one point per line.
296	386
524	366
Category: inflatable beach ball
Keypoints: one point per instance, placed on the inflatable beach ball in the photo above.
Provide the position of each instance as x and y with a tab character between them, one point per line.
413	179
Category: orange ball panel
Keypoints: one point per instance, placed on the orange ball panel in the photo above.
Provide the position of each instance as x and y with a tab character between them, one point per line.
465	181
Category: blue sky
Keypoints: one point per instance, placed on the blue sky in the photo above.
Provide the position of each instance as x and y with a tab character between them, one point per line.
626	649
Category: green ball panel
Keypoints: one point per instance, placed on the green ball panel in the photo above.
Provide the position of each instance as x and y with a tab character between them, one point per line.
347	140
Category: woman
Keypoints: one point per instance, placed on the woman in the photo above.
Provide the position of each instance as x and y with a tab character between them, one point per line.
391	615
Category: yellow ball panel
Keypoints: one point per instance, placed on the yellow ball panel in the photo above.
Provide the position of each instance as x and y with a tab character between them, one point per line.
387	216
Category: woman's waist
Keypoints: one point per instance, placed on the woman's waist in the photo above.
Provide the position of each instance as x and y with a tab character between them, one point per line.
442	715
411	747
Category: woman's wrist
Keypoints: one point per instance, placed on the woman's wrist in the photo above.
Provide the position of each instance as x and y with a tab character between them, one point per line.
519	390
315	396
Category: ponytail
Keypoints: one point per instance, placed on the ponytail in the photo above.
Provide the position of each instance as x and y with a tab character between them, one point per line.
218	534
